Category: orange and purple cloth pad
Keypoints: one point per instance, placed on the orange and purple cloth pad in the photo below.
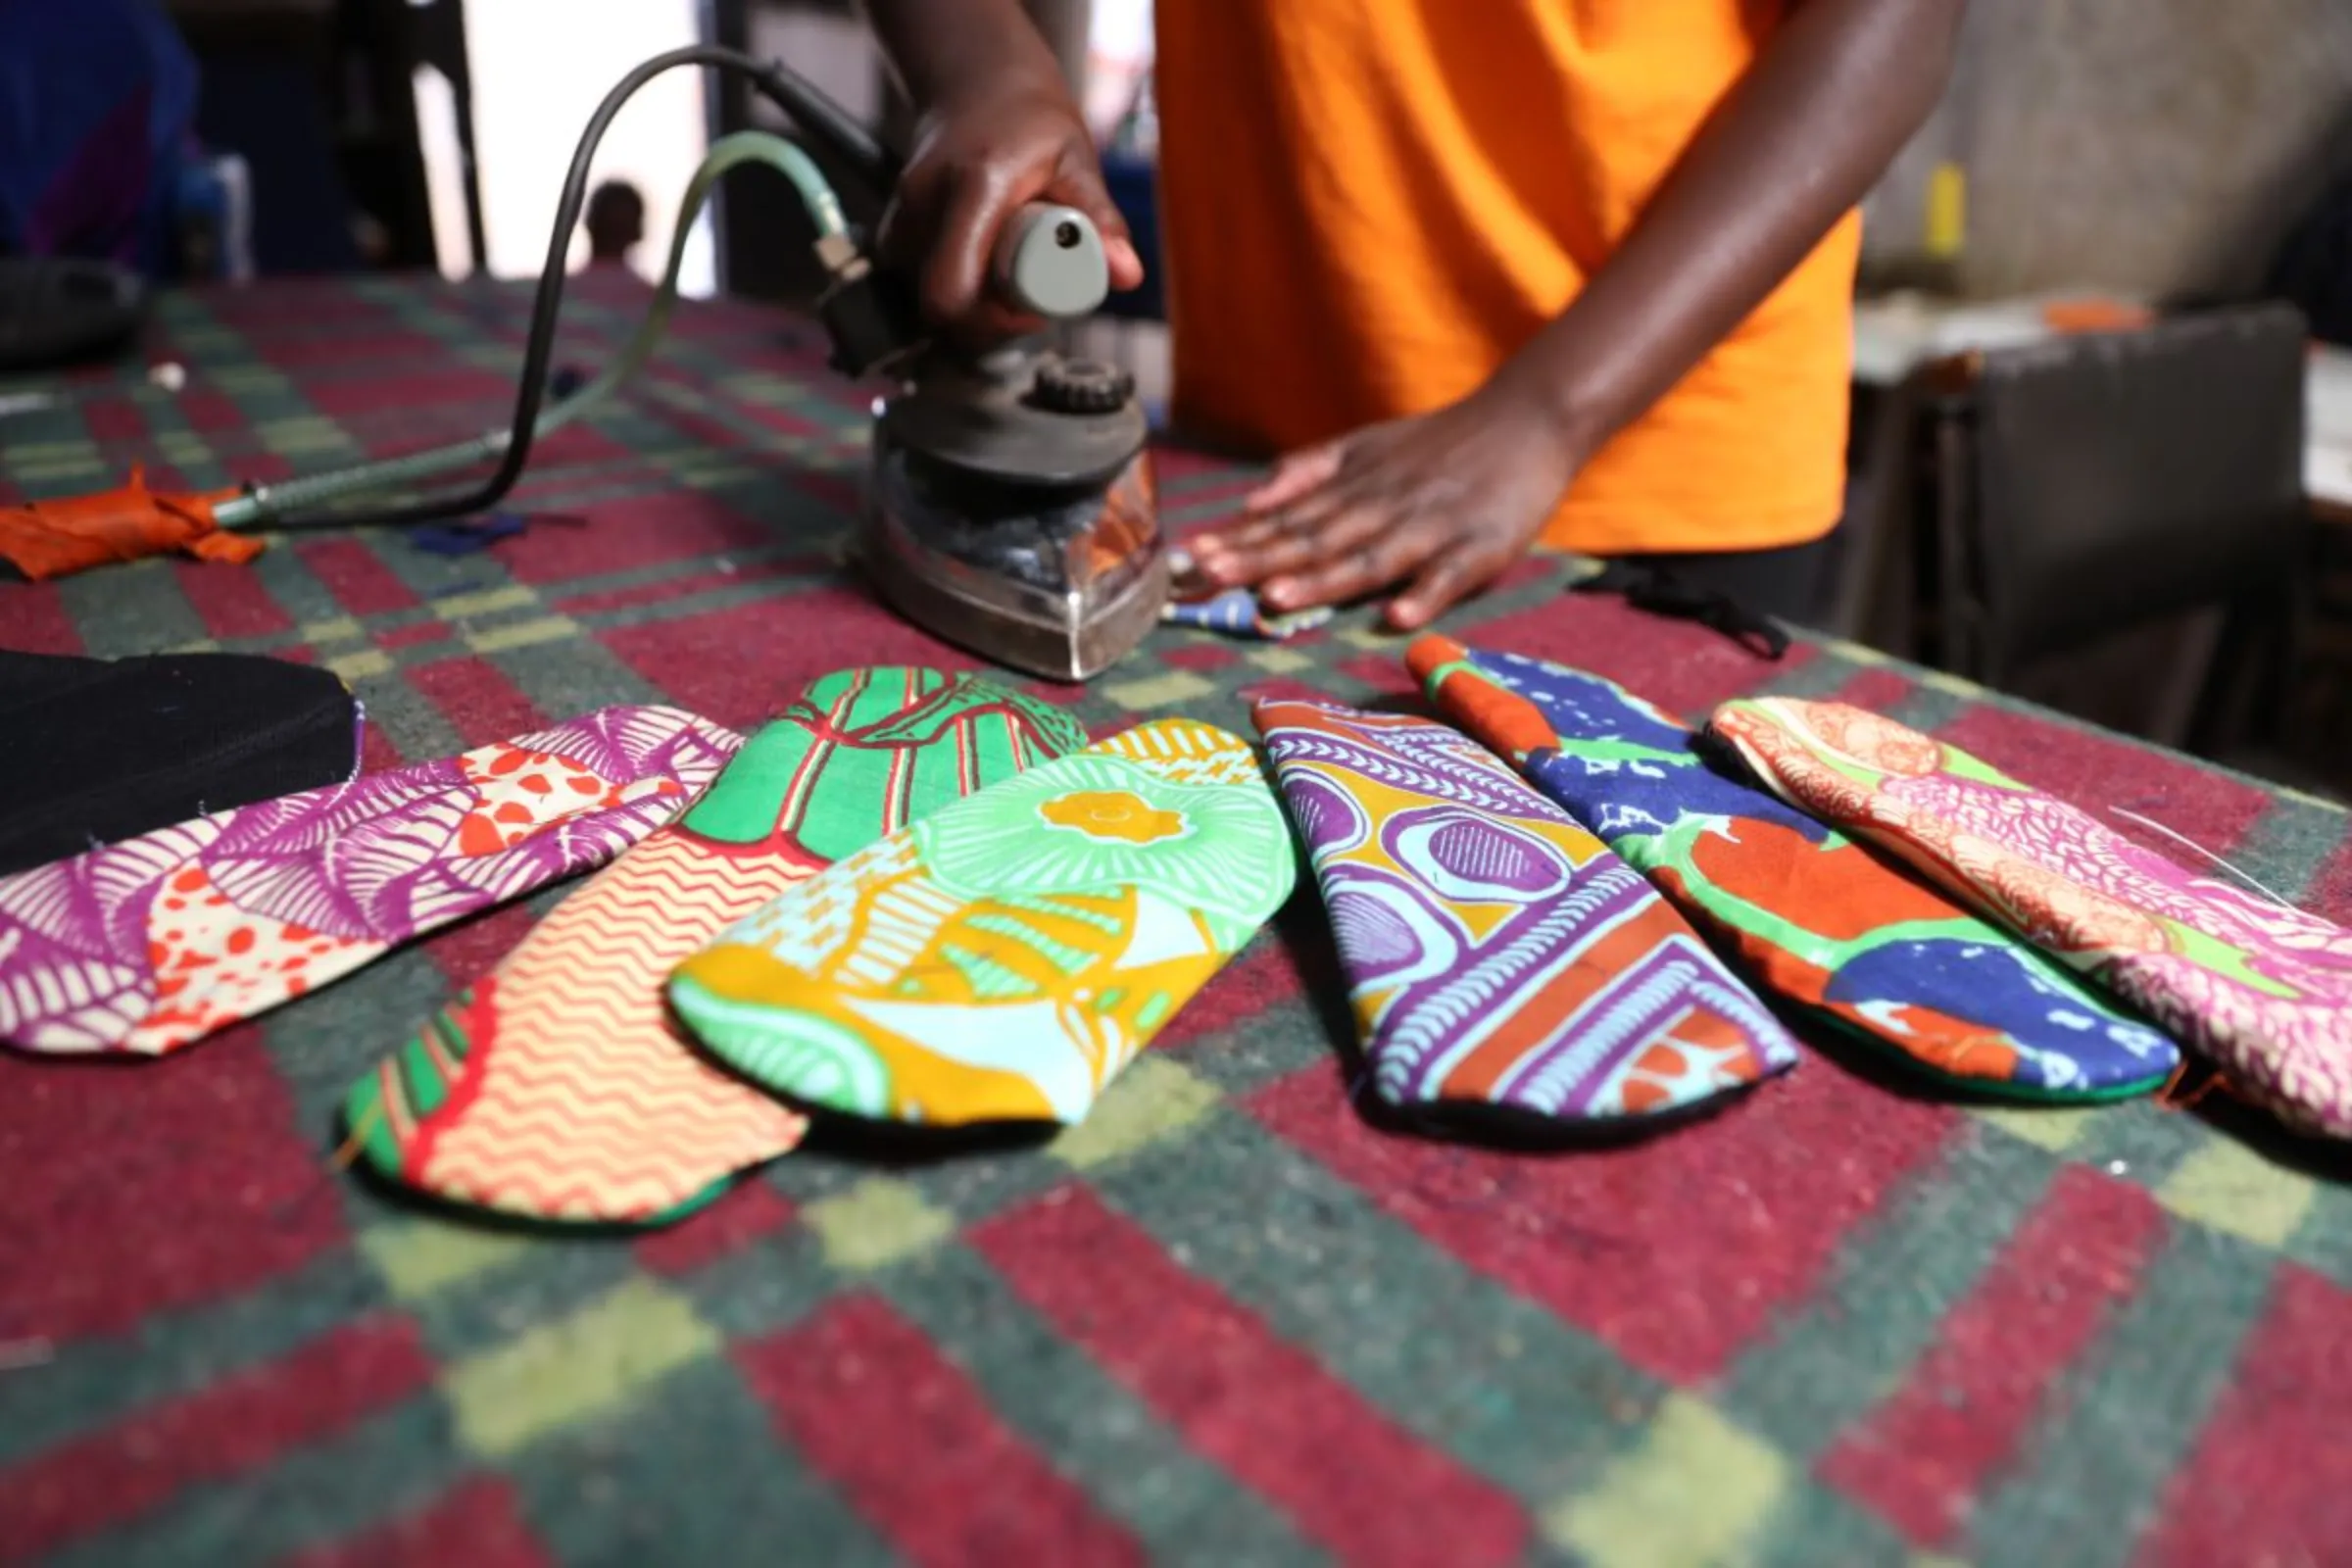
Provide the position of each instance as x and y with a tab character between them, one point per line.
1500	958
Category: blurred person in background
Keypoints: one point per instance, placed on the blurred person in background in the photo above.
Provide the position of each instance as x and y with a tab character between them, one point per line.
615	223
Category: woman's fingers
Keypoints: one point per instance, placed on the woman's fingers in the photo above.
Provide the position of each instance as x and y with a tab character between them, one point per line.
1380	548
1446	578
1294	478
1323	528
1344	536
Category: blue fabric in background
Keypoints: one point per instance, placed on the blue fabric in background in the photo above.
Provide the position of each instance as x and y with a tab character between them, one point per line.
1132	181
97	100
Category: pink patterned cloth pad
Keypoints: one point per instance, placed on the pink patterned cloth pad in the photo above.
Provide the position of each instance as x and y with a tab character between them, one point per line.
145	946
2262	989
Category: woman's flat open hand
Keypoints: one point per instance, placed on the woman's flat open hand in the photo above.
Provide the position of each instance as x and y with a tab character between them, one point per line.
1441	503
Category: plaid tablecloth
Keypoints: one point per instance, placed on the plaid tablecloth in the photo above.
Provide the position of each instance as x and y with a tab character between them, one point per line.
1225	1321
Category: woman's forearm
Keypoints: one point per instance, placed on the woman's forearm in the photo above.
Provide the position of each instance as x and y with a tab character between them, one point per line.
942	49
1829	103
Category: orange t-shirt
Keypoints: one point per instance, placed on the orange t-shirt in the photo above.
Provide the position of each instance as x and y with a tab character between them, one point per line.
1368	205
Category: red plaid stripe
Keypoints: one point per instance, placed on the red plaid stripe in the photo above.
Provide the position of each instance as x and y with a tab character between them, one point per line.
871	1403
239	1424
1963	1414
1676	1251
1264	1408
135	1193
2269	1483
478	1523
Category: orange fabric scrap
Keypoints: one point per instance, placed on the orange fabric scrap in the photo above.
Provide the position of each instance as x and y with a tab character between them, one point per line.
45	539
2070	316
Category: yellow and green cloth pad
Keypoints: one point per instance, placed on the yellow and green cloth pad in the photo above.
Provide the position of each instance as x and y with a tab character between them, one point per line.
1502	963
1815	916
557	1086
1001	959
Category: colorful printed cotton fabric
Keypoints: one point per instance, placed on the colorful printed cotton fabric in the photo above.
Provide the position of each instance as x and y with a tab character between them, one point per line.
558	1087
2263	989
1819	919
147	944
1497	955
1002	960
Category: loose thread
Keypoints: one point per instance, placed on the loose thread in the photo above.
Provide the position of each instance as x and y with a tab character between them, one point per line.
2188	842
338	1164
345	1157
2170	1098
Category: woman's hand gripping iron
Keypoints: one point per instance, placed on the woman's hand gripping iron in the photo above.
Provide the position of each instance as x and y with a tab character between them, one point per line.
1010	506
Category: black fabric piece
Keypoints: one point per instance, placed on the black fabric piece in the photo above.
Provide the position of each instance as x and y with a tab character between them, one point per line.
56	311
1787	582
105	750
1661	590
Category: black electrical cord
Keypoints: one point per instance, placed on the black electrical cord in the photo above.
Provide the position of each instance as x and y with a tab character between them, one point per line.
812	109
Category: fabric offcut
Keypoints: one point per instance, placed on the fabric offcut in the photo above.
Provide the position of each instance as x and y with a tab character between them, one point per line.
1498	956
2262	989
1002	960
1236	612
45	539
1818	919
128	746
148	945
560	1087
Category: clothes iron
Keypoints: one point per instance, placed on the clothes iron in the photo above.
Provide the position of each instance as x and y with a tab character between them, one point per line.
1010	502
1008	507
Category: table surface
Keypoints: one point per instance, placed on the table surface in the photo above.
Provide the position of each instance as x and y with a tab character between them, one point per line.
1223	1321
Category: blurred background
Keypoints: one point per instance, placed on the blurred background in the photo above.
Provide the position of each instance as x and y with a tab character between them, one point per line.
2160	147
2102	451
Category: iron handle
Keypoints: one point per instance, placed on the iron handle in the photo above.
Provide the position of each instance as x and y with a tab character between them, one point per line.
1050	263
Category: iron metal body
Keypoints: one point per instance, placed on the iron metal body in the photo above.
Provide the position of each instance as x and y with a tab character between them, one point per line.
1011	507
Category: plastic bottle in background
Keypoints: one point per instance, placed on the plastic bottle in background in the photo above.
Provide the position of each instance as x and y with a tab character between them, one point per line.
214	214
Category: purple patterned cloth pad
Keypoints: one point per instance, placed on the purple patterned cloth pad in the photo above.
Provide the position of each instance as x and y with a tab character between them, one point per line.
1498	955
145	946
